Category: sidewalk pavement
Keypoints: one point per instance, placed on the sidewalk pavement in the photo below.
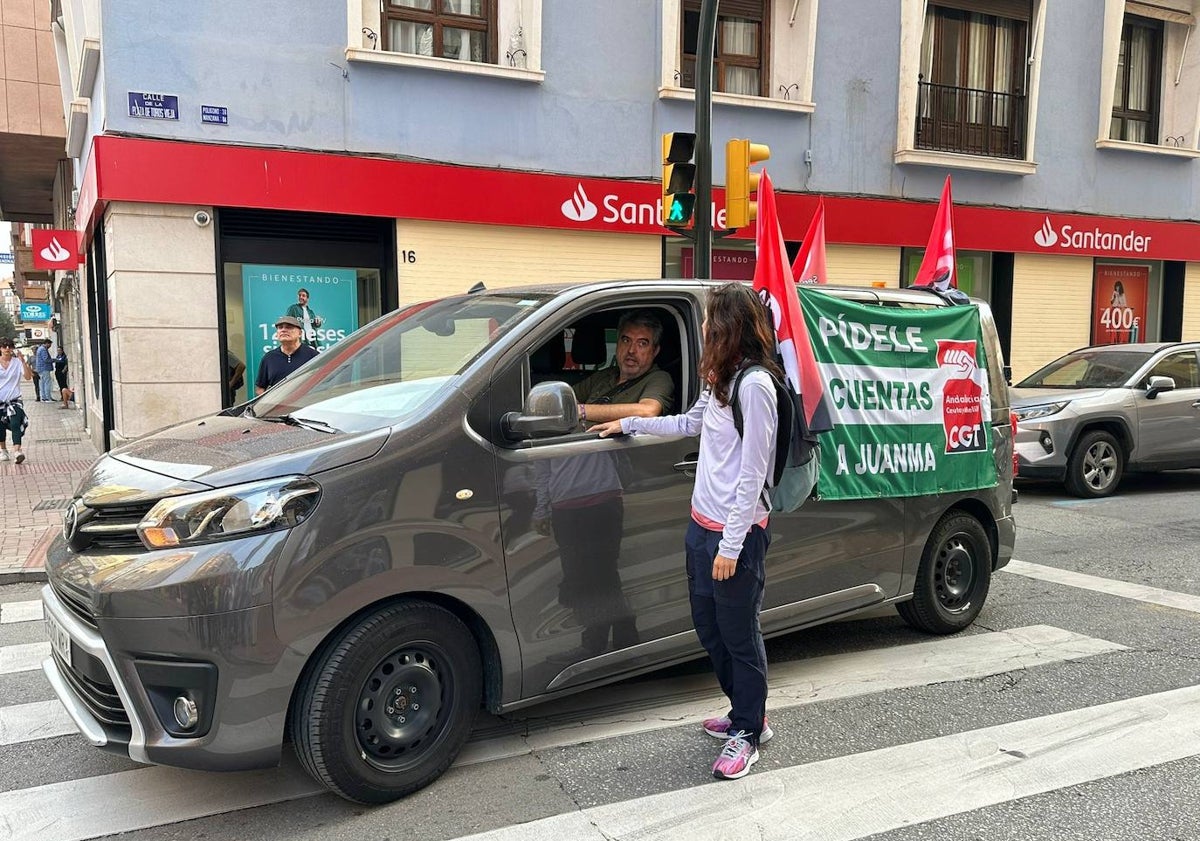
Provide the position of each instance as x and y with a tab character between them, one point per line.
34	494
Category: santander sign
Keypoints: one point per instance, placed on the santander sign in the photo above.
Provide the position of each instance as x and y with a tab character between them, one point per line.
1075	239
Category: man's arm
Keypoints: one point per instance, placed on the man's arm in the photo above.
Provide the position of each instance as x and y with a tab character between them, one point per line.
238	370
260	382
647	407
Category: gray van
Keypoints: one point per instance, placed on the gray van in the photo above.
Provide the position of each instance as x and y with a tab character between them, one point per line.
358	559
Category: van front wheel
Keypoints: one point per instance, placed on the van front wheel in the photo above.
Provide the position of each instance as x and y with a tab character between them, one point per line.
389	704
953	577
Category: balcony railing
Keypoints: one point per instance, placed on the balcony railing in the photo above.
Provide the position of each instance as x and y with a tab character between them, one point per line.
970	121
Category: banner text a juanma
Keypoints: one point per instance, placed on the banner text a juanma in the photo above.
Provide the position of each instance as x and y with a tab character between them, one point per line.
910	394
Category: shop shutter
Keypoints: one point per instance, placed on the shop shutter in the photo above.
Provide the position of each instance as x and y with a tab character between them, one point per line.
1051	309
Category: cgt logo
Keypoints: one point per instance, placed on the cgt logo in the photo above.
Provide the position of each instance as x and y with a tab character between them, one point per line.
1072	239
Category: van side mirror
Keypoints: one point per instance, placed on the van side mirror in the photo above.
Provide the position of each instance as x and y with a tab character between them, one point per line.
1157	385
550	409
1008	374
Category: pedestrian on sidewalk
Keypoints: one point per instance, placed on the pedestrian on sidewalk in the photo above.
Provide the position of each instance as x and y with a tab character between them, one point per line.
13	368
727	538
43	364
290	355
60	375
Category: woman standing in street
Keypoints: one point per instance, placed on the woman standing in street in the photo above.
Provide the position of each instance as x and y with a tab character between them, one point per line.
727	537
13	368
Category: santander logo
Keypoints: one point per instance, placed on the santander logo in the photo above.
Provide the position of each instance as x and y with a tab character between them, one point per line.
578	208
1046	236
55	253
1070	238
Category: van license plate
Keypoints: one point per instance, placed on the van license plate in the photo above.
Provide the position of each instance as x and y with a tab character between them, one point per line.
60	640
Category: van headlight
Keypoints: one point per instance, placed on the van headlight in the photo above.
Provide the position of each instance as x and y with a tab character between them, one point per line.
229	512
1042	410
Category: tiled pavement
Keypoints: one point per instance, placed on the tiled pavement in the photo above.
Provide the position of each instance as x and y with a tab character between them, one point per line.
58	453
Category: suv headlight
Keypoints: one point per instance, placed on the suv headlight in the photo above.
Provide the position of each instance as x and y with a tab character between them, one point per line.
229	512
1042	410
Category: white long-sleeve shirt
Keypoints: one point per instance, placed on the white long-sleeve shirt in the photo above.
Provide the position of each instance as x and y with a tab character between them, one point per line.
732	469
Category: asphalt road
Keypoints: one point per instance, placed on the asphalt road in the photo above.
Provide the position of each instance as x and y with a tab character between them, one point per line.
1071	710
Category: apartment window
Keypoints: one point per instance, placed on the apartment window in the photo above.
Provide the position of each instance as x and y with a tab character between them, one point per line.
458	29
740	60
1139	65
971	90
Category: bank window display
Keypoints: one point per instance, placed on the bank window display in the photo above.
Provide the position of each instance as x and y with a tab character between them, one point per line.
1126	299
731	260
972	270
328	302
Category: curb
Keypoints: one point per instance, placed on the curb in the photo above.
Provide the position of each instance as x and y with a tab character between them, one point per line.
24	577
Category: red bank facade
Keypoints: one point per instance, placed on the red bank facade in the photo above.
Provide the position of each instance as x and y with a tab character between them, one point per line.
410	230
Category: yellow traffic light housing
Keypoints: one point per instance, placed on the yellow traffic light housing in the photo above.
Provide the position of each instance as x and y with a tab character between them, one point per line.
741	181
678	179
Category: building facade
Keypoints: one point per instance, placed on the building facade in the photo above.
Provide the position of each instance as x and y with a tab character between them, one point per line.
374	154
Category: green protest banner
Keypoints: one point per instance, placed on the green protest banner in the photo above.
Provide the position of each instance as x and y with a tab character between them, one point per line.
909	390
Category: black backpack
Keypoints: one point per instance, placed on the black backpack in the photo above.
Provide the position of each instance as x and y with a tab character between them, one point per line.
797	455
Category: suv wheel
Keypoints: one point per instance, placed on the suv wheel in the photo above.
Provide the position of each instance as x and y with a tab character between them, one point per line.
953	577
1096	465
389	704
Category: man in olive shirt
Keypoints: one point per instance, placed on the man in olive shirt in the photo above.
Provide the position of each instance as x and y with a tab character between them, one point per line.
579	498
635	379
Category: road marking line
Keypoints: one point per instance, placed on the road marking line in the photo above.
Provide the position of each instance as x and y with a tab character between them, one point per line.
627	709
1110	586
861	795
37	720
27	657
603	713
132	800
30	611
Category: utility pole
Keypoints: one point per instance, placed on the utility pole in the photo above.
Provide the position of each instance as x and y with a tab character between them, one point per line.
702	226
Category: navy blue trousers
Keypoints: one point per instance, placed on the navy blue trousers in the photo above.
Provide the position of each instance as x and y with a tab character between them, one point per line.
725	614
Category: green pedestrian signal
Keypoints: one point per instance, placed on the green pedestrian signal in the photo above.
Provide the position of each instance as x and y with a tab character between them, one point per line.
678	179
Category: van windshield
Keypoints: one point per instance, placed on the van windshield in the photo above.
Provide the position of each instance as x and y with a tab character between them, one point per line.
391	368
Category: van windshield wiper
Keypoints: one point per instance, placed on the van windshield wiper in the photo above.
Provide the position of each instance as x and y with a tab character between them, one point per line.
304	423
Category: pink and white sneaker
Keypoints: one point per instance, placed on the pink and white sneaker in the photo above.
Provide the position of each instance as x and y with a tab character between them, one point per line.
736	758
719	728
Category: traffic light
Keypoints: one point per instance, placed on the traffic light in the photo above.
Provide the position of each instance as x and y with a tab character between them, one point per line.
741	181
678	179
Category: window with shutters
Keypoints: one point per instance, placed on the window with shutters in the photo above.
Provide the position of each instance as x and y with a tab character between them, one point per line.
464	30
968	83
1150	78
484	37
762	53
971	88
741	44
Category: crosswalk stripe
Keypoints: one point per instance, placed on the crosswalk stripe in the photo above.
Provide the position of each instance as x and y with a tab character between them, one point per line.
1112	587
33	721
30	611
637	708
132	800
861	795
603	713
26	657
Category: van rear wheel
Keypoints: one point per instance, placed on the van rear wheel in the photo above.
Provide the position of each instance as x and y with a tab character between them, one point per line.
953	577
389	704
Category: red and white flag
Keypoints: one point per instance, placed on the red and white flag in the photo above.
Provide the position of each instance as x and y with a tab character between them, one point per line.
809	266
774	284
938	267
